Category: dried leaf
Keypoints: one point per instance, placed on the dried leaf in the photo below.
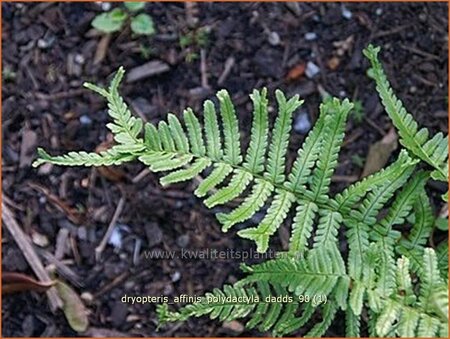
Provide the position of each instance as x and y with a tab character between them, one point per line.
73	307
17	282
379	153
296	72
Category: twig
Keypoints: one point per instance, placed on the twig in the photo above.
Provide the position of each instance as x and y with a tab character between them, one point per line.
420	52
30	255
60	95
116	281
203	69
61	268
229	63
99	249
142	174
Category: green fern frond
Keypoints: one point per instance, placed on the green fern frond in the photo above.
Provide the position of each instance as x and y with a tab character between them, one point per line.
372	281
184	154
253	302
433	151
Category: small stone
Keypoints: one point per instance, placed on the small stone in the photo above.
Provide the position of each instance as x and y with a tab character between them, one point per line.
45	169
310	36
346	13
379	11
105	6
175	276
183	240
79	59
311	69
233	326
46	42
85	120
302	124
274	39
87	297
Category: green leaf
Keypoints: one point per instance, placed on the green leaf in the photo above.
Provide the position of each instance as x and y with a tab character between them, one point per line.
110	22
73	307
142	24
134	6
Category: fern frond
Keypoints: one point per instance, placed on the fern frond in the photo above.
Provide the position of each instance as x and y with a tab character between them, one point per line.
218	175
236	302
302	227
113	156
337	113
231	132
328	314
125	127
255	158
276	214
352	324
352	194
306	157
327	228
403	203
423	222
195	133
178	135
280	137
212	131
261	191
185	174
240	180
430	279
358	242
317	274
433	151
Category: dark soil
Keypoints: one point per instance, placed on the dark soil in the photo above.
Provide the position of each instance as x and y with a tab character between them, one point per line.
49	51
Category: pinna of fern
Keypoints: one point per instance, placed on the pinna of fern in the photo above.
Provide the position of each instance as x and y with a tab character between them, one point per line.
433	151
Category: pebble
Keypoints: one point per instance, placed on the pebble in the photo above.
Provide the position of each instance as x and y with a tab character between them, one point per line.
346	13
379	11
310	36
183	240
105	6
234	326
311	69
274	38
302	124
175	276
79	59
85	120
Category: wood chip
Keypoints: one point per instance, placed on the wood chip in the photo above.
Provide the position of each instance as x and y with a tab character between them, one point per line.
29	140
102	48
147	70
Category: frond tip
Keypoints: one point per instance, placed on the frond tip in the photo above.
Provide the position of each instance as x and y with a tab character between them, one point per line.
433	151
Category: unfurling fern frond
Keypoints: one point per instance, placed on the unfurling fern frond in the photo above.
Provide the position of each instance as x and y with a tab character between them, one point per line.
433	151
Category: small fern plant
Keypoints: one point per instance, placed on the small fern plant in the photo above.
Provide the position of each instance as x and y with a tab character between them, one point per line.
388	283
